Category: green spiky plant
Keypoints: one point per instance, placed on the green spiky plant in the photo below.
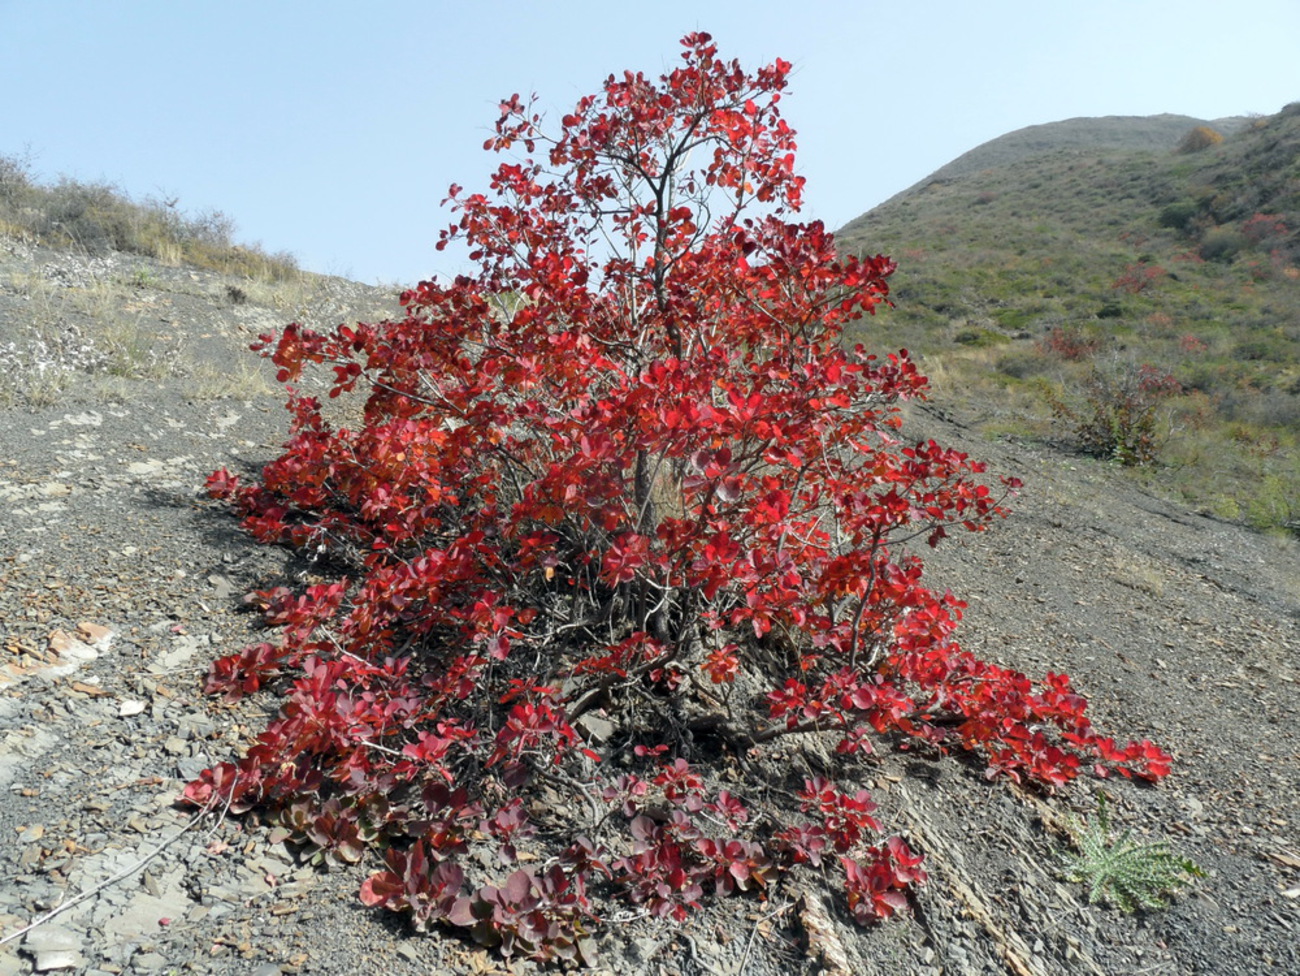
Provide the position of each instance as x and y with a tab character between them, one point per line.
1127	873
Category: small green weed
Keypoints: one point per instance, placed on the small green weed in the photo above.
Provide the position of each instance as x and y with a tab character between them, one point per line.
1125	872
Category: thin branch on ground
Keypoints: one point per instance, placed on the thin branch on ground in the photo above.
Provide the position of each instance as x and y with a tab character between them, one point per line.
108	882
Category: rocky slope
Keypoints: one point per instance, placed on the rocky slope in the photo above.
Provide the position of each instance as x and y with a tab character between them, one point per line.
119	583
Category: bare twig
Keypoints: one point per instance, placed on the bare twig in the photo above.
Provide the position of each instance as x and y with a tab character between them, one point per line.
121	875
758	922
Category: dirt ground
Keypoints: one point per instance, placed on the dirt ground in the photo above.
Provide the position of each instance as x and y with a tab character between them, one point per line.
1178	627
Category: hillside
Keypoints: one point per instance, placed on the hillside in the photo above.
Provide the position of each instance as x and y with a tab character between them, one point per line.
1042	272
120	583
125	379
1155	133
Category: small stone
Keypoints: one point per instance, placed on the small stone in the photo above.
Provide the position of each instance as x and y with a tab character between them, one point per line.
70	648
222	586
130	707
54	948
96	634
596	729
191	767
196	726
148	962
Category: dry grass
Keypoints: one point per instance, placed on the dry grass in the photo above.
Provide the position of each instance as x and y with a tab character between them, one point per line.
245	380
67	333
1142	576
98	217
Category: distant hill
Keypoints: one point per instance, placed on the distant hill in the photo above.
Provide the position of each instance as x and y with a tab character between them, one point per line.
1061	258
1150	132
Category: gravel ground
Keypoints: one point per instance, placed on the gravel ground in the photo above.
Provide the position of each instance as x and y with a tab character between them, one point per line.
120	582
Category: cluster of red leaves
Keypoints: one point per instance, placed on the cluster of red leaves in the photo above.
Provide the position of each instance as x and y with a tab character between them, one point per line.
1069	342
627	464
1137	278
1262	228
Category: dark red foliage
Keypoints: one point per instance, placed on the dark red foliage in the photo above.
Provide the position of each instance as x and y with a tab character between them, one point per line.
1069	342
1137	278
1264	229
626	464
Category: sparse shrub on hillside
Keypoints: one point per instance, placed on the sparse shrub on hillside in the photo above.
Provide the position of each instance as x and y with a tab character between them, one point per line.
621	510
1274	505
1222	244
1137	278
1180	215
15	184
1119	416
1070	342
1264	230
91	216
976	338
1211	376
1200	138
1022	363
1159	323
1014	319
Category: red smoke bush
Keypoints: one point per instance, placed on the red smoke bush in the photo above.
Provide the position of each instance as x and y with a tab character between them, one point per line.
620	510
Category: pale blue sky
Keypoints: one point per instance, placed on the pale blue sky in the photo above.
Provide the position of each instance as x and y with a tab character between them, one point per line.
333	129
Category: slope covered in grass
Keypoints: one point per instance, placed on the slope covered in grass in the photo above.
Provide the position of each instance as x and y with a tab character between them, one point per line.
1028	282
1134	132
